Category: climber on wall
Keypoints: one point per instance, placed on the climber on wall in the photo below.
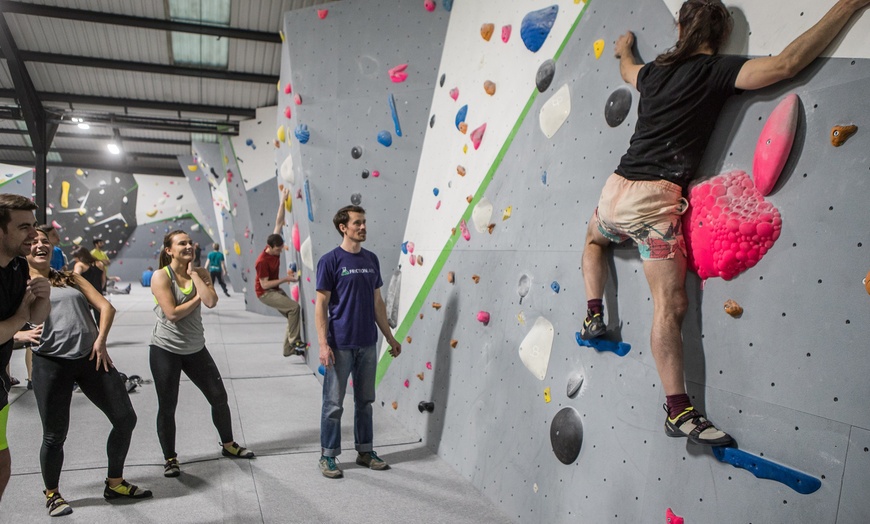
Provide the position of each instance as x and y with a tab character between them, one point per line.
681	95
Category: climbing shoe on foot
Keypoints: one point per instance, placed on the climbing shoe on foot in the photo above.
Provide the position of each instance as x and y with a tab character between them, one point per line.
171	468
236	451
593	326
329	468
694	426
299	347
57	506
125	490
371	460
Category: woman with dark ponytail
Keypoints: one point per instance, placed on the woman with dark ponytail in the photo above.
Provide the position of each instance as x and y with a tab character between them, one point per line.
178	344
682	93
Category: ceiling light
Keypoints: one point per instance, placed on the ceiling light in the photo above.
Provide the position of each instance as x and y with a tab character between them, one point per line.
114	149
84	125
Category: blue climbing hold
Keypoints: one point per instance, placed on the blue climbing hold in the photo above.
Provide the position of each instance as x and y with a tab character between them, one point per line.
405	247
308	201
321	370
435	191
766	469
536	27
302	133
385	138
448	5
599	344
544	178
555	287
292	267
461	114
249	142
392	102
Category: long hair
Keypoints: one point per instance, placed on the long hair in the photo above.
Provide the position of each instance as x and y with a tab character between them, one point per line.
57	278
702	22
165	258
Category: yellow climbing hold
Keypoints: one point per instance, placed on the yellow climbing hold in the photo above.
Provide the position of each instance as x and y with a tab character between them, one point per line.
237	248
288	204
64	194
465	148
82	211
282	135
281	34
91	220
507	213
79	172
598	46
151	213
521	318
192	167
547	395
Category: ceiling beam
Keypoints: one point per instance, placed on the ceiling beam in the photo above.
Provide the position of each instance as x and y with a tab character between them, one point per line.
142	140
97	166
24	92
91	152
98	17
145	67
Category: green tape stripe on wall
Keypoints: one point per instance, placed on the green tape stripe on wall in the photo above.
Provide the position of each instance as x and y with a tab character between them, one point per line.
417	305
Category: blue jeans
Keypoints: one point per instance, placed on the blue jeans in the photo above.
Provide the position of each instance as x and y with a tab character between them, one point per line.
362	364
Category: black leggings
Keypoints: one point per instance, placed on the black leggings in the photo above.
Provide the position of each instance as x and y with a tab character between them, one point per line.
166	368
218	275
53	380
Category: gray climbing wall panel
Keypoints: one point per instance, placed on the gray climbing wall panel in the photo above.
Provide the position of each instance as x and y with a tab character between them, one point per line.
338	66
786	379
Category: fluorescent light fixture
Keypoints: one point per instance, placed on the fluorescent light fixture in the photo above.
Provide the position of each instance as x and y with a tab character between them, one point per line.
84	125
114	149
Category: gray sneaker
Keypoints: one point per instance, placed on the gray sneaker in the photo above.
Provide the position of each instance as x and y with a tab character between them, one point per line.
329	469
371	460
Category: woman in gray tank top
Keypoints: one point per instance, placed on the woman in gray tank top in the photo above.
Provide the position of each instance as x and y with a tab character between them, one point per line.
178	344
72	350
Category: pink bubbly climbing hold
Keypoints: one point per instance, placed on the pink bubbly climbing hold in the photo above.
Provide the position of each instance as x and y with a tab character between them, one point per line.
774	144
477	136
288	89
297	245
454	93
398	74
429	5
321	13
407	383
729	226
483	317
505	33
428	365
297	99
672	518
463	227
410	247
288	112
294	292
376	173
413	260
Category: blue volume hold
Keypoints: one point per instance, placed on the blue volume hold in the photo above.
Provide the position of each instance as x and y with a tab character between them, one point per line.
302	133
395	115
308	201
385	138
536	27
461	114
599	344
765	469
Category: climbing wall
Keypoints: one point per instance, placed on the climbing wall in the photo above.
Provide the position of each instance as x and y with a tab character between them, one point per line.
343	90
16	180
502	239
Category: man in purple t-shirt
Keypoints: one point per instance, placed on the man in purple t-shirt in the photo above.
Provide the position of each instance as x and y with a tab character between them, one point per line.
348	311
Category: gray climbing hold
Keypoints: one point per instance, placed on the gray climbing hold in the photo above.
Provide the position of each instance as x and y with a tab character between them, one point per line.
393	297
356	152
617	107
575	382
365	173
545	75
355	199
432	121
523	287
443	77
566	435
536	27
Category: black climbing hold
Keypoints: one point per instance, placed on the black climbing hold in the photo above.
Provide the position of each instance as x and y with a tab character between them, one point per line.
356	152
432	121
566	435
355	199
365	173
545	75
426	406
617	107
443	77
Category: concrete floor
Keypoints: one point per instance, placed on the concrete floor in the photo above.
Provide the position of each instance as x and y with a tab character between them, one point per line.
275	404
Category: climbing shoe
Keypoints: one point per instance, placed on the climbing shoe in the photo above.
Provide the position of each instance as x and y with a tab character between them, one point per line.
329	468
299	347
593	326
57	506
371	460
694	426
236	451
171	468
125	490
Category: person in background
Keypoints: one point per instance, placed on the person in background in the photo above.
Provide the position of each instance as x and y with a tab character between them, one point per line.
72	350
178	344
91	270
58	258
27	339
22	300
101	255
145	279
197	255
217	267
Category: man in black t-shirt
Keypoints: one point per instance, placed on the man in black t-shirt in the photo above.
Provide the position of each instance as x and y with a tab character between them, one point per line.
21	301
681	95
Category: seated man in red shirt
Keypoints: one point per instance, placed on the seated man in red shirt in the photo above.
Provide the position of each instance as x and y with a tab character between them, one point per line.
268	284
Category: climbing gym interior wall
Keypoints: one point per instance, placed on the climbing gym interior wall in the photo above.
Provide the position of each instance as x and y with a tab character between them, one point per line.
507	181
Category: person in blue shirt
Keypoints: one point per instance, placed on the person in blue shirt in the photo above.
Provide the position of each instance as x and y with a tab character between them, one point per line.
348	313
58	258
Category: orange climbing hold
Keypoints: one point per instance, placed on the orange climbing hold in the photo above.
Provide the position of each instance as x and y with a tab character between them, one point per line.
463	127
451	276
408	339
469	198
436	306
486	31
460	170
453	343
733	308
420	376
867	282
489	87
395	405
839	134
476	278
490	228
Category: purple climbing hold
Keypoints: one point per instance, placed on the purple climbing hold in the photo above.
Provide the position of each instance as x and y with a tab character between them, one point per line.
536	27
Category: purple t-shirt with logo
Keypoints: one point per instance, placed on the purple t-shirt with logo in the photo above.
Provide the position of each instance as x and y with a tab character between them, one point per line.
351	279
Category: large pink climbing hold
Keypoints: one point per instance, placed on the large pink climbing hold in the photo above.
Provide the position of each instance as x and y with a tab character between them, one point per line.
729	226
288	89
477	136
483	317
297	99
287	112
774	144
463	227
294	292
297	244
321	13
429	5
672	518
454	94
505	33
398	74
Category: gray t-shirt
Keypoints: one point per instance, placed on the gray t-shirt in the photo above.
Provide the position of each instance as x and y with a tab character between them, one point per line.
186	336
69	331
